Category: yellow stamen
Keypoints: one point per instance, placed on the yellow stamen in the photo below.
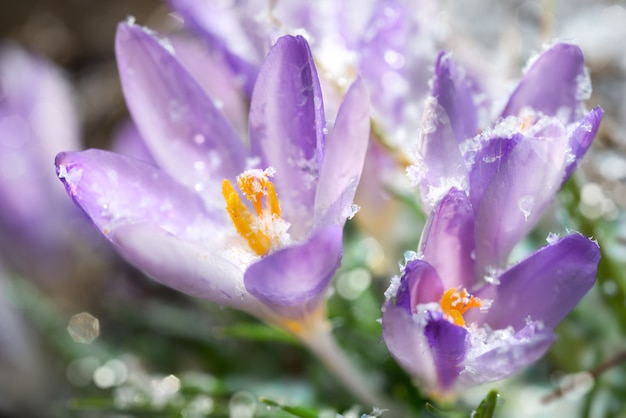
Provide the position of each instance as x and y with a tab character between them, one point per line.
254	184
454	304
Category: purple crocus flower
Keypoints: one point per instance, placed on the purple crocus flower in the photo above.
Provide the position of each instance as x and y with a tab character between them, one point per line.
37	120
387	42
458	316
186	225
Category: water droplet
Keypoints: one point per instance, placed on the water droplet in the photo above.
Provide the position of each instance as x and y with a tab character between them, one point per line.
199	138
84	328
175	110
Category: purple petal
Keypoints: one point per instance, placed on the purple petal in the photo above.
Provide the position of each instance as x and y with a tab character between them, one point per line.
128	141
581	138
218	81
344	156
419	284
231	31
505	357
286	127
448	240
488	161
406	342
185	132
447	343
183	266
114	190
37	120
440	165
292	281
454	92
545	286
555	82
527	178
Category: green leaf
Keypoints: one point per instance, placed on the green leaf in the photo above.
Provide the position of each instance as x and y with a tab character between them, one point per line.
296	411
487	407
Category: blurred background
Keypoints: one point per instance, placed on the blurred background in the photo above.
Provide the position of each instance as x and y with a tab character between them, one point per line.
83	334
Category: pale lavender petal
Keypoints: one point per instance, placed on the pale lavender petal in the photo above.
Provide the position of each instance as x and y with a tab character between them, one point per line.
405	339
581	138
185	132
440	165
231	30
218	81
286	127
489	362
545	286
555	84
448	343
292	281
128	141
512	203
488	161
448	240
419	284
183	266
454	91
344	156
114	190
37	120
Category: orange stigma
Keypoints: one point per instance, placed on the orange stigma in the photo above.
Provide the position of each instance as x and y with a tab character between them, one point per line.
455	303
257	230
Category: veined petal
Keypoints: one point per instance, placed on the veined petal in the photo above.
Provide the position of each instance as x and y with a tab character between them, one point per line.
580	139
448	240
453	90
183	266
286	127
448	343
556	84
114	190
343	158
292	281
545	286
520	189
419	284
494	355
182	127
439	163
405	339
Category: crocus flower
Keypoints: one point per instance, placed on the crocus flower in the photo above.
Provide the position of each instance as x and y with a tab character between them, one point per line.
257	229
387	42
458	316
37	120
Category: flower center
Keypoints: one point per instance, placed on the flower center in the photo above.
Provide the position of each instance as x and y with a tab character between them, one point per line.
455	303
266	230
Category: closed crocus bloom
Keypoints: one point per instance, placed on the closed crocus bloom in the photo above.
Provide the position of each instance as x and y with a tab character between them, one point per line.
458	315
255	228
512	168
